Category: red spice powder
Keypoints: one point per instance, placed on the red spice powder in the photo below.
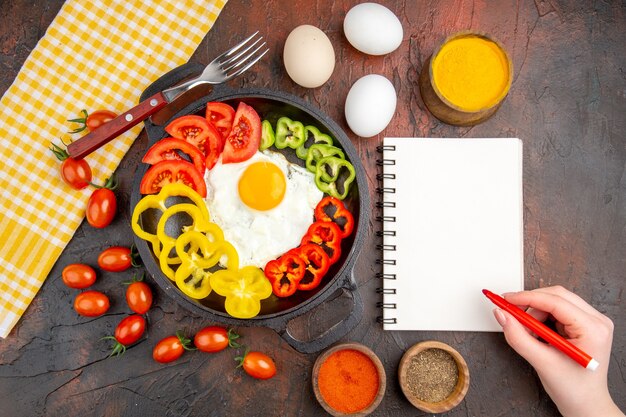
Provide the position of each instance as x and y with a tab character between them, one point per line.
348	381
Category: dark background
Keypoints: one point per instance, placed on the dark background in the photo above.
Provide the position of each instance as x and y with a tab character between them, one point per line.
567	103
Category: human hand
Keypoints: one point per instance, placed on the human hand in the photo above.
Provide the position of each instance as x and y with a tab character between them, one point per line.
575	390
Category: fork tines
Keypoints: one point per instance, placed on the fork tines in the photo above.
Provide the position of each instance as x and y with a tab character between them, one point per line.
234	58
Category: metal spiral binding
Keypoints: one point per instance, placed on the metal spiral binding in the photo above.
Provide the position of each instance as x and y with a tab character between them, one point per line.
385	248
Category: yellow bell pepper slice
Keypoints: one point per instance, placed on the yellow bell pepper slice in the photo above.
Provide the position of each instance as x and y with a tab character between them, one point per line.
158	202
244	289
200	224
192	276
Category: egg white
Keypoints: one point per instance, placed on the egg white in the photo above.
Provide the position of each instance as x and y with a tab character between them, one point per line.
260	236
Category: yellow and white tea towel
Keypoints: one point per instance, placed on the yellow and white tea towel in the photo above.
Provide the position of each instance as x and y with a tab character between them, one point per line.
95	55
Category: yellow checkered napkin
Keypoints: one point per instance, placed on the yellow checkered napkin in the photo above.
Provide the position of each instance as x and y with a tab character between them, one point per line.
95	55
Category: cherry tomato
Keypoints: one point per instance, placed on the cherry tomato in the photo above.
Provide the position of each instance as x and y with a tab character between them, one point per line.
101	208
98	118
170	171
127	332
170	348
139	297
115	259
130	329
91	303
78	276
258	365
215	338
244	137
75	172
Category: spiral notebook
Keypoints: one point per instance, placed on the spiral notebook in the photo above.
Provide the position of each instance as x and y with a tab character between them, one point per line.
452	217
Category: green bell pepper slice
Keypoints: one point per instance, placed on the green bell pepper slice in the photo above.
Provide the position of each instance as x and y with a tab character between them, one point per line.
312	135
318	151
267	135
289	133
330	177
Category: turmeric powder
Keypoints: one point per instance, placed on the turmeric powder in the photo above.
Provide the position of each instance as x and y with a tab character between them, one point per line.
471	72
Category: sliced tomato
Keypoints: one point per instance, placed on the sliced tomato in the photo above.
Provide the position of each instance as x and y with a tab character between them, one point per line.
245	136
220	115
200	133
166	149
166	172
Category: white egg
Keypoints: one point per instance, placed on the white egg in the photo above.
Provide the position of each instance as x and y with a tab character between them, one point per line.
370	105
373	29
309	56
261	235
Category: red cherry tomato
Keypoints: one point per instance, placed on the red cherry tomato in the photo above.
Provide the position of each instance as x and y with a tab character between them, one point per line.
130	329
170	348
115	259
98	118
78	276
101	208
244	137
139	297
258	365
127	332
91	303
76	173
215	338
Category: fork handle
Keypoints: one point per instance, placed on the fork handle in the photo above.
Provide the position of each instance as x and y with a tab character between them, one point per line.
112	129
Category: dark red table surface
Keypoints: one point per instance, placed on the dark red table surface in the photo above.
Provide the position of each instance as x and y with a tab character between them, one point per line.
568	105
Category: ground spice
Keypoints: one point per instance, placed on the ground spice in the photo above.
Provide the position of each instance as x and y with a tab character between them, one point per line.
348	381
432	375
471	72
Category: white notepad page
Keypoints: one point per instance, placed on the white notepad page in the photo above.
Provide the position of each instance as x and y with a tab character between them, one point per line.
458	229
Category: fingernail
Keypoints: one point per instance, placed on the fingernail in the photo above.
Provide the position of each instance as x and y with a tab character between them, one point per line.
500	317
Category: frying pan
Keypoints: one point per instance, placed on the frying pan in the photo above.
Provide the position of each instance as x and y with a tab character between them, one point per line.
276	313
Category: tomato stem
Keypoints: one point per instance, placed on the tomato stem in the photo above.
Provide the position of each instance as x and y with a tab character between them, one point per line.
111	183
59	152
118	348
241	358
135	258
184	340
232	336
134	278
81	120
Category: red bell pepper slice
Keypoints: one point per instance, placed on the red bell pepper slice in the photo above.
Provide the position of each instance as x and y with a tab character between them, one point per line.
327	235
331	209
316	262
285	273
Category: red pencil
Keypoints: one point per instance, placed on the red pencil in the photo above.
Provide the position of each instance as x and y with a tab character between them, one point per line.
544	332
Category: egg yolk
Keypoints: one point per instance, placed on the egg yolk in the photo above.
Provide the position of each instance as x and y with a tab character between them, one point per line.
262	186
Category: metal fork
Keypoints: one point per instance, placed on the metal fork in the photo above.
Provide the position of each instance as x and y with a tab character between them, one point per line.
226	66
230	64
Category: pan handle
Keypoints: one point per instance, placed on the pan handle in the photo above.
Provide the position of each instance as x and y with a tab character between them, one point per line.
336	332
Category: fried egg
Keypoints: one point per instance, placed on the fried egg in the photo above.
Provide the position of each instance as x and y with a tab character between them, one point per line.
264	205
